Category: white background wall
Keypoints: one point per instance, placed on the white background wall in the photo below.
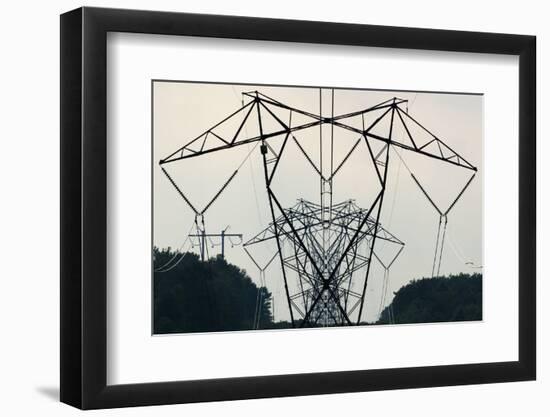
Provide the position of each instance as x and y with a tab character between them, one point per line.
29	225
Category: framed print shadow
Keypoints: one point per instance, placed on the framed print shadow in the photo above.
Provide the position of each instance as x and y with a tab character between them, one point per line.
257	207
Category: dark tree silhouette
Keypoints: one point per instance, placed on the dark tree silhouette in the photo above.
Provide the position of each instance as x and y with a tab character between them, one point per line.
195	296
210	296
429	300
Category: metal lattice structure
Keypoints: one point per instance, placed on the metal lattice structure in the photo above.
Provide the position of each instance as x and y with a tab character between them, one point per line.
301	229
326	248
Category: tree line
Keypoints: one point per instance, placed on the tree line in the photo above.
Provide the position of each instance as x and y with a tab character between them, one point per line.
194	296
440	299
214	295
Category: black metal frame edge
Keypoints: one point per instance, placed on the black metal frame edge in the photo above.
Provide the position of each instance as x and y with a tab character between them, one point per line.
70	220
83	207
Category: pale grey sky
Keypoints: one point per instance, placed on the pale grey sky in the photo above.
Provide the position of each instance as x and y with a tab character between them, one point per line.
182	111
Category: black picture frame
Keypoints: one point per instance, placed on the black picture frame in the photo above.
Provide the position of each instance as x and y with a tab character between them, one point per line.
84	207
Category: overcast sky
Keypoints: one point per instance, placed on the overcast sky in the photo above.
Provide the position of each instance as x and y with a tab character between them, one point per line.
182	111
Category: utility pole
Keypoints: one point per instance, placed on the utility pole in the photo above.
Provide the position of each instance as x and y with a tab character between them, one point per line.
202	240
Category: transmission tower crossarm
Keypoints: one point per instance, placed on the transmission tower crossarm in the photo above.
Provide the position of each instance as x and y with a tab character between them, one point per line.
202	238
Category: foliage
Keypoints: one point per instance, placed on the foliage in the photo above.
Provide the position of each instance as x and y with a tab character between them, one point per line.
208	296
195	296
440	299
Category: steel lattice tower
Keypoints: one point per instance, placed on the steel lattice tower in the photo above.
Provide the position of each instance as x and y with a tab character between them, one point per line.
323	245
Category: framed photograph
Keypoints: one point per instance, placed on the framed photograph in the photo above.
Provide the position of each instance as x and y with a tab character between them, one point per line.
257	207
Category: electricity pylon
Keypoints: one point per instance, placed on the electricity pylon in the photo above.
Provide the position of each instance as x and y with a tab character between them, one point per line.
327	247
